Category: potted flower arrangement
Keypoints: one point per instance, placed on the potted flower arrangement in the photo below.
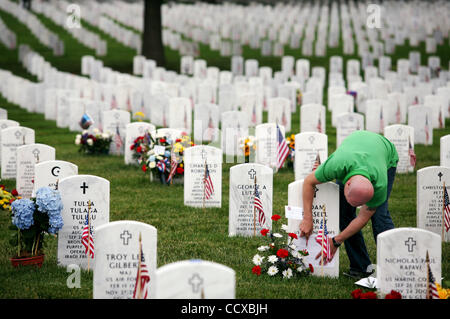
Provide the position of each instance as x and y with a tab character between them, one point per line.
248	147
32	219
7	198
279	256
158	154
93	143
290	140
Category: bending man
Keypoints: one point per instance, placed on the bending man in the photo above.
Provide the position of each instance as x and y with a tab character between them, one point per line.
364	167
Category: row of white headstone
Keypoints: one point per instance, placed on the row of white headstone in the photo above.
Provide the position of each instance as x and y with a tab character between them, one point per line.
60	16
36	27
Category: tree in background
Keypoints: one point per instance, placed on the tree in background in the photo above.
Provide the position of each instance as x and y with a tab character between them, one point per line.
152	47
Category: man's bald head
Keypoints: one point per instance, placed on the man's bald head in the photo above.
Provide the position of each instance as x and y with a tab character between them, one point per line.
358	190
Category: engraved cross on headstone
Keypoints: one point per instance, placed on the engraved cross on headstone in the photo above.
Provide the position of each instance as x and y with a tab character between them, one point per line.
125	236
440	175
196	281
36	153
84	186
315	191
203	152
252	173
410	243
311	139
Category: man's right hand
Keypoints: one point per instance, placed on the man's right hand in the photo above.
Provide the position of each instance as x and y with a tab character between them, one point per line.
306	228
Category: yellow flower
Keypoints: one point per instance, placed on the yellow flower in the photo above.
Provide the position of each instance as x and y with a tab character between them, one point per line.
443	293
5	206
181	165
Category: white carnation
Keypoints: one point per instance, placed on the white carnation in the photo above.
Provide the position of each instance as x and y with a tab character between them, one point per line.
263	248
287	273
257	259
90	141
277	235
272	271
272	259
284	227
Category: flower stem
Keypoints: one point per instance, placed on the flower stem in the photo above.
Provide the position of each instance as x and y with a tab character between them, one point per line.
18	241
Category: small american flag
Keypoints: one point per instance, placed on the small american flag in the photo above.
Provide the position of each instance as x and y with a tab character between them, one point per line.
173	165
319	124
324	240
142	279
207	184
259	207
446	210
427	134
412	155
118	140
254	114
432	292
162	165
282	149
86	238
316	163
441	124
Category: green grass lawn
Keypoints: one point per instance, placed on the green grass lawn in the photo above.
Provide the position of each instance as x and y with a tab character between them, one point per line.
183	232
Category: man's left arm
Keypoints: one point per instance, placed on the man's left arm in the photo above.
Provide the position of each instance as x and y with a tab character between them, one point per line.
364	215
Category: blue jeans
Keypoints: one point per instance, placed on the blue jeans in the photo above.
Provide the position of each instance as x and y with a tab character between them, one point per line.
381	221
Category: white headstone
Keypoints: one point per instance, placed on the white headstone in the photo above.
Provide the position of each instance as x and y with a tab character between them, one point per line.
199	189
12	138
402	136
430	199
206	122
445	150
244	218
49	173
309	146
313	118
77	192
234	126
266	144
347	123
180	111
195	279
326	198
279	112
115	123
117	250
419	117
401	261
27	157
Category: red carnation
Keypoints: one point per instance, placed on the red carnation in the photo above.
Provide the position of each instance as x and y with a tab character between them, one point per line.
132	147
144	168
393	295
293	235
139	149
282	253
356	294
2	187
369	295
276	217
14	192
163	140
311	268
256	270
180	170
264	231
178	140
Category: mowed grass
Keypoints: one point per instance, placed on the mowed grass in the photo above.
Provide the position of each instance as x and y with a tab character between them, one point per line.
183	232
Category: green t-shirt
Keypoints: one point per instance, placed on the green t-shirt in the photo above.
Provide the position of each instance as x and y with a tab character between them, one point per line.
361	153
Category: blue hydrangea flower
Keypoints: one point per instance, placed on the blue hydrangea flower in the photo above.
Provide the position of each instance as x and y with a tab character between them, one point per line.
48	200
23	210
56	223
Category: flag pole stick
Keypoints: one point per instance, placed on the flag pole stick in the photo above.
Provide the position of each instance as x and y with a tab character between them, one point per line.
323	234
443	212
139	267
204	187
254	211
89	235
